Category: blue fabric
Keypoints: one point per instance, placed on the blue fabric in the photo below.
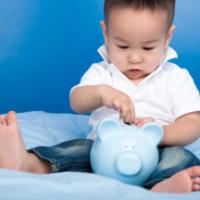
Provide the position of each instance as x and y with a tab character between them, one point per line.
45	129
75	186
39	128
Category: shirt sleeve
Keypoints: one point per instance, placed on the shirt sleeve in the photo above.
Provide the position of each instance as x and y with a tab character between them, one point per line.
95	75
185	95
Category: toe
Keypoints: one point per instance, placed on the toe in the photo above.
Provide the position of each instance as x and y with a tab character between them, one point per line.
196	187
194	171
2	120
196	180
11	118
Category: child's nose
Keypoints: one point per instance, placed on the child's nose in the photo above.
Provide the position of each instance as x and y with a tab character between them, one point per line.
135	57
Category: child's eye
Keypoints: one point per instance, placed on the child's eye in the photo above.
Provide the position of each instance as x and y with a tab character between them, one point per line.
123	46
148	48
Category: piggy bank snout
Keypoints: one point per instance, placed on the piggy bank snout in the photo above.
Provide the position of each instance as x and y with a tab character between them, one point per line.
128	164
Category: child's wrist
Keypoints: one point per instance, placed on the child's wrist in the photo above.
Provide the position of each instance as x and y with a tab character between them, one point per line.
102	91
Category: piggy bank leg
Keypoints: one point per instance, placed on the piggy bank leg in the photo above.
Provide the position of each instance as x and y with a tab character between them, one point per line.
172	160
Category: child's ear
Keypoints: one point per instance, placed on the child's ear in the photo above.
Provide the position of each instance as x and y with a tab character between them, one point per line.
104	31
169	35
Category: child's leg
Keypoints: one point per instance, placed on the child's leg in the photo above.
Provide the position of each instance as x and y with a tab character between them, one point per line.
13	154
73	155
174	161
185	181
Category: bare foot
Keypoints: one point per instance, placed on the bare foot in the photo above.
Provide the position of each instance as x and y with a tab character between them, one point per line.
182	182
13	154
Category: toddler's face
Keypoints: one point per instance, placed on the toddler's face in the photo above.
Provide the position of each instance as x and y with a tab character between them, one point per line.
136	40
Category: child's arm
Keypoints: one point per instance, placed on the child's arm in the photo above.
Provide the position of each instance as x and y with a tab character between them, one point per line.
85	98
88	98
184	131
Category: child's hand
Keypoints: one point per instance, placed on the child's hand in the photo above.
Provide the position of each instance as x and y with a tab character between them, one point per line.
119	101
140	122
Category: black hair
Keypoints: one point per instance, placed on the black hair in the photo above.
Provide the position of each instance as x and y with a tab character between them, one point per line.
168	5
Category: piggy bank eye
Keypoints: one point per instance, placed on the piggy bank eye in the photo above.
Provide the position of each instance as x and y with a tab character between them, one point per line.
126	146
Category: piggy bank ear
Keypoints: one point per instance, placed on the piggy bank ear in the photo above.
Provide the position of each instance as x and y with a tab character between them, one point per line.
106	126
152	132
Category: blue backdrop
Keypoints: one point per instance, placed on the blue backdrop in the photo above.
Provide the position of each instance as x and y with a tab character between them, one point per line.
46	45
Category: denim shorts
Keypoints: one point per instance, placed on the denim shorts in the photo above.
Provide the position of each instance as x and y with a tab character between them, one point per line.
171	161
74	155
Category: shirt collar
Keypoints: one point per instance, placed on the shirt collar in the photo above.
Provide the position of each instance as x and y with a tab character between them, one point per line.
103	52
169	54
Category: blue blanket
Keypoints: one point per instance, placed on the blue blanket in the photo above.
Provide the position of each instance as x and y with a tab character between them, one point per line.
39	128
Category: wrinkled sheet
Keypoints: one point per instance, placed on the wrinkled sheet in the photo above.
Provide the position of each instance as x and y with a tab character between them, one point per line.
40	128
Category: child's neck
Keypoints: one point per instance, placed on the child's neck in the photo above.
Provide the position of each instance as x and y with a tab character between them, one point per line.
136	82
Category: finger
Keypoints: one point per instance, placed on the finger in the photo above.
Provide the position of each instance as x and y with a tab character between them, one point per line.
124	113
145	121
149	119
127	114
116	105
131	116
141	123
132	113
138	122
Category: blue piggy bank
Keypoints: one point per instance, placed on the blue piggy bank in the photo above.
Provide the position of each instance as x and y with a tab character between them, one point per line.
126	152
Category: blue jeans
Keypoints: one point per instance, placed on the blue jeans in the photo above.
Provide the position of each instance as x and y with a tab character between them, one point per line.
171	161
74	155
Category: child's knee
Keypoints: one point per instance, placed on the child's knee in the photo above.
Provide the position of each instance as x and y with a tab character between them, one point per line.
176	157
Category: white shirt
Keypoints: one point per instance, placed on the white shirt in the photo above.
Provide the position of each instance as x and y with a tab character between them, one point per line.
166	94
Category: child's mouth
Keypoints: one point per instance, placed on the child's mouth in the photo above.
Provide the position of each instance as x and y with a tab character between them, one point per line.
133	73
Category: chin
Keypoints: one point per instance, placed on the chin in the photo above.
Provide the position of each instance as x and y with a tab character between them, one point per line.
137	78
